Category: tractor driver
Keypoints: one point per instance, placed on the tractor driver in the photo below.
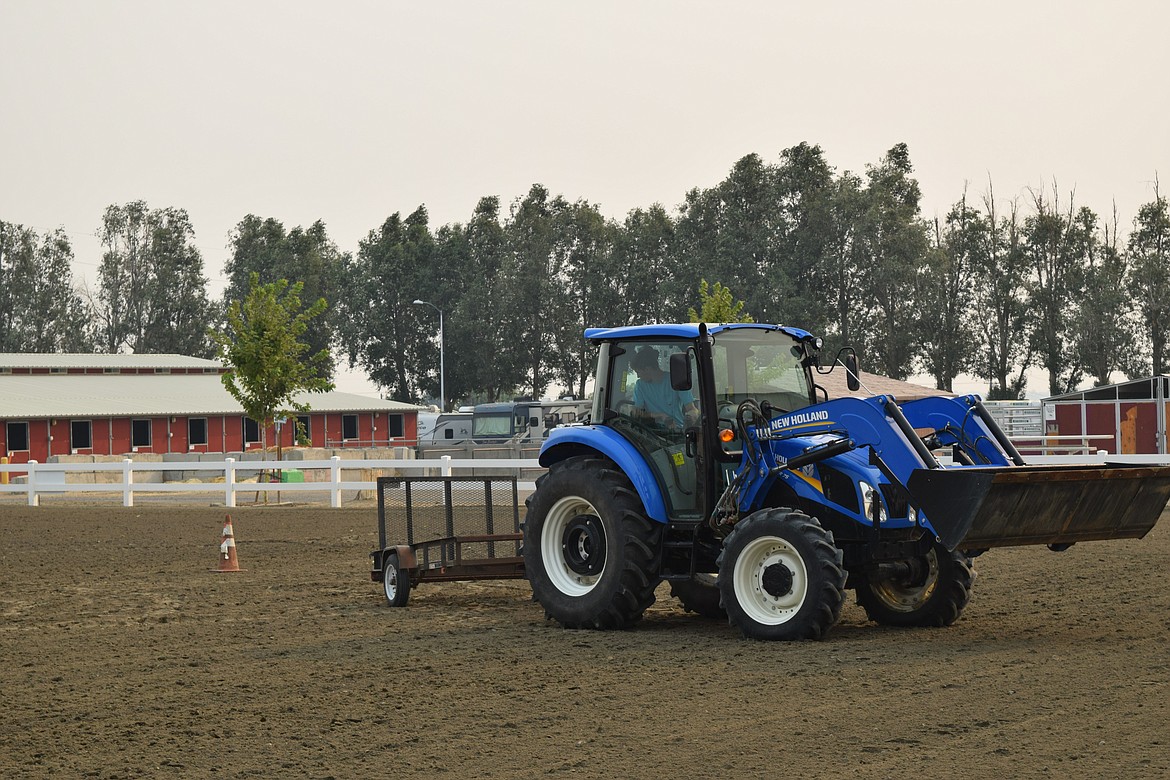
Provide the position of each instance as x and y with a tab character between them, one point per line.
655	398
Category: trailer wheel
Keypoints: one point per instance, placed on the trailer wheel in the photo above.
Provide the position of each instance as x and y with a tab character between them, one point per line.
700	595
590	553
781	577
932	592
395	581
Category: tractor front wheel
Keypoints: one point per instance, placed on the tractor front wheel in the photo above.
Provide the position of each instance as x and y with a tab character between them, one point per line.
781	576
590	553
930	590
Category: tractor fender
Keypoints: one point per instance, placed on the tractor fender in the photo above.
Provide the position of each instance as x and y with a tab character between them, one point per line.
569	441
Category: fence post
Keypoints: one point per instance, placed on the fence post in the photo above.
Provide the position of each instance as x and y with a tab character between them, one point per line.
127	482
445	470
335	481
229	482
33	498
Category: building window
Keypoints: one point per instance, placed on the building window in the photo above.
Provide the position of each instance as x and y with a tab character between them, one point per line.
162	371
304	431
251	431
397	427
80	434
349	426
140	433
197	430
17	437
111	371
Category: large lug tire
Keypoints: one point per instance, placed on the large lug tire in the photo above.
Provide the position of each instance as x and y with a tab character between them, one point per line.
781	576
395	581
933	594
700	595
590	553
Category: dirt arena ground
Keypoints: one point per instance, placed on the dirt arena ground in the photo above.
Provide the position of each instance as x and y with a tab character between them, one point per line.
121	655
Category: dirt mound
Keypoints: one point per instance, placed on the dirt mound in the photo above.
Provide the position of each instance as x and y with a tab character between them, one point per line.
122	655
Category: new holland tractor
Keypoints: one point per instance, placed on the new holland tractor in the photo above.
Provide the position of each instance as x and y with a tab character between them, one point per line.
714	461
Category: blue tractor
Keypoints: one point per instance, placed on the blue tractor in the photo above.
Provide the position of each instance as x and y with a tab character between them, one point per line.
714	461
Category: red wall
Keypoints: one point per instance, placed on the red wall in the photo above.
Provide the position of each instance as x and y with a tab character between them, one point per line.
224	434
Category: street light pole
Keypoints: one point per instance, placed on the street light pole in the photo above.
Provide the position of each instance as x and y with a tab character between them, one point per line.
442	372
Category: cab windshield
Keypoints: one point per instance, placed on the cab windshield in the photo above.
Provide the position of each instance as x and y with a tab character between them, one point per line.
764	365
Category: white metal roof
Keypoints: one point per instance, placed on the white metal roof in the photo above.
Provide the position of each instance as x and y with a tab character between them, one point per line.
86	360
31	396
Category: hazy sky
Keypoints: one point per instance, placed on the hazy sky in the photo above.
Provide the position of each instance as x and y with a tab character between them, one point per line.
351	111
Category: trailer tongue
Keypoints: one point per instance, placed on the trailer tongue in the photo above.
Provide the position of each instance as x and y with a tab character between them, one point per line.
980	508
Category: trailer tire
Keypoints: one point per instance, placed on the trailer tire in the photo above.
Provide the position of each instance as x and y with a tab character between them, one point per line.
395	581
590	553
781	576
700	595
935	598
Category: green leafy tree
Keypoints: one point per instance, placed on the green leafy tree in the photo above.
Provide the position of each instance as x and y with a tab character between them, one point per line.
270	364
152	295
644	265
40	309
1149	277
716	305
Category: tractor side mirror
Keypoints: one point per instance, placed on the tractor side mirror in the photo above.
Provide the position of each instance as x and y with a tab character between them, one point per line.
851	373
680	370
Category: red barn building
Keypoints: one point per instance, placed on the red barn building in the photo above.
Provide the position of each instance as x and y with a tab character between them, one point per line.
1131	414
63	404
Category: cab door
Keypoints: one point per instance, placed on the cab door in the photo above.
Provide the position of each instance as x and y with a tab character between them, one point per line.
645	416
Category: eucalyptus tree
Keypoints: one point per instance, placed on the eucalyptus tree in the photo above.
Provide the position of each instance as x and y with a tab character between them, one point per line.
1149	277
152	295
644	270
945	292
1103	328
893	244
1056	245
1000	300
40	308
532	298
382	330
305	255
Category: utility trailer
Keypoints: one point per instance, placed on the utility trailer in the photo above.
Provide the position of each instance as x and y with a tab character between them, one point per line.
445	529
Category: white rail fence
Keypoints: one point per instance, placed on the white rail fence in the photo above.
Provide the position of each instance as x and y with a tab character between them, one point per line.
50	478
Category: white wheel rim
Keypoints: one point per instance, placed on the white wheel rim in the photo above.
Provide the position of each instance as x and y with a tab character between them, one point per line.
748	578
390	582
563	578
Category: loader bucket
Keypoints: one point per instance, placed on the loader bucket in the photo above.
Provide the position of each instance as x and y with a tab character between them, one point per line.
978	508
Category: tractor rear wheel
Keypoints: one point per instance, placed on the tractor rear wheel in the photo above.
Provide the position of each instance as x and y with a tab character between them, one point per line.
781	576
591	554
700	595
932	591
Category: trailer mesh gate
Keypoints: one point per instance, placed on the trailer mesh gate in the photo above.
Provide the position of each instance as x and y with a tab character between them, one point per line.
457	527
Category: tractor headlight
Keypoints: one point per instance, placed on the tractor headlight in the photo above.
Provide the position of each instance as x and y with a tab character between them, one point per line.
871	502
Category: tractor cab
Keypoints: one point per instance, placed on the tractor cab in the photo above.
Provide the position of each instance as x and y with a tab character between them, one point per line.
673	391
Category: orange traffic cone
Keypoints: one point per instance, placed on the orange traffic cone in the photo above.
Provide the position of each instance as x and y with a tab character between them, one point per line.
227	549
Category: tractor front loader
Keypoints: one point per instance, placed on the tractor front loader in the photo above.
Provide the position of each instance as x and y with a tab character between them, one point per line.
715	462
